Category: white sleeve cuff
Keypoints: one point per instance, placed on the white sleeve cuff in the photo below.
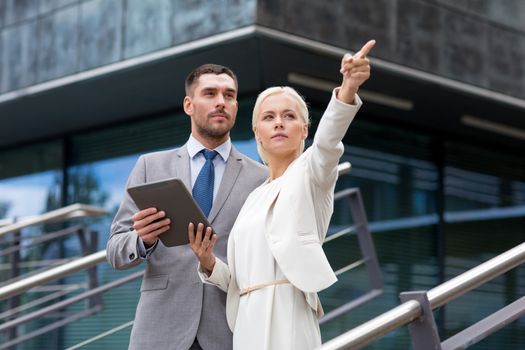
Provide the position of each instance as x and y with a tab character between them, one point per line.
220	276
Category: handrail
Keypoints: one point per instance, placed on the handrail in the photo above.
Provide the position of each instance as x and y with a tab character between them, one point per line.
476	276
79	264
71	211
344	168
408	311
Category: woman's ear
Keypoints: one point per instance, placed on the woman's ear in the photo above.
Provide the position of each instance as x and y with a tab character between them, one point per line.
305	131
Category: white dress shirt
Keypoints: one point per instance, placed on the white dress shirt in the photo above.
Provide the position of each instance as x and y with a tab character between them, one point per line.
197	161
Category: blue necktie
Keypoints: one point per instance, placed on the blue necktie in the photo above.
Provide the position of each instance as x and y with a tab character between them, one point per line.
203	187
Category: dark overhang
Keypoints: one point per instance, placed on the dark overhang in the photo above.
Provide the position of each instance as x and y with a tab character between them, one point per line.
261	57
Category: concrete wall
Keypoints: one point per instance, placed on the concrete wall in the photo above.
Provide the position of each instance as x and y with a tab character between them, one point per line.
481	42
47	39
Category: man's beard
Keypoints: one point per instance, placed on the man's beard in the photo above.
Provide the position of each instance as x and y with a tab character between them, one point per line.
213	134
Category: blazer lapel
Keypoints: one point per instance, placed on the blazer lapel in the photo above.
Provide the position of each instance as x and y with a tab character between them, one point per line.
231	172
182	166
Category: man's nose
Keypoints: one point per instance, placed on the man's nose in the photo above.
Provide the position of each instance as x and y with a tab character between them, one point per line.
220	100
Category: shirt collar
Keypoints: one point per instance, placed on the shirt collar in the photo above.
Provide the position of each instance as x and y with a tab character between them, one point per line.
194	147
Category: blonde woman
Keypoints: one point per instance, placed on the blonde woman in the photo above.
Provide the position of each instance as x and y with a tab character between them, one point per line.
276	264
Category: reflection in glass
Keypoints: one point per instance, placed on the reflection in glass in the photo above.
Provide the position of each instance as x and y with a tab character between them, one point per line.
29	195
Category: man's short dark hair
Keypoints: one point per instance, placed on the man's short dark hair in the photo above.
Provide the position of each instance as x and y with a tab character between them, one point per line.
208	68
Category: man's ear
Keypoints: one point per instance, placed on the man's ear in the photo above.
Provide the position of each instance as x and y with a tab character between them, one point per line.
188	105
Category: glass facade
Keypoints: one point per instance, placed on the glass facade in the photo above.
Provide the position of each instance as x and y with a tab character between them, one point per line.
30	184
436	208
399	181
30	172
485	215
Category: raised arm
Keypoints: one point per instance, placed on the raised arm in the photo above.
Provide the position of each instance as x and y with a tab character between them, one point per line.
327	147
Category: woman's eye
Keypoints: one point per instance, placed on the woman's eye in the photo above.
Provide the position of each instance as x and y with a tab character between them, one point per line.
289	116
267	117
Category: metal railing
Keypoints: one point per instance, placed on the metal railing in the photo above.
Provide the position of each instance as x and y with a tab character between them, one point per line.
413	309
55	273
22	275
72	211
91	293
368	253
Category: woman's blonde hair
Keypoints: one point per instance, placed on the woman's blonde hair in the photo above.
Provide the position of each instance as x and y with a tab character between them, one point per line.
303	110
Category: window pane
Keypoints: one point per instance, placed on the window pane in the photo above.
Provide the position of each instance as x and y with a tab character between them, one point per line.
30	184
485	216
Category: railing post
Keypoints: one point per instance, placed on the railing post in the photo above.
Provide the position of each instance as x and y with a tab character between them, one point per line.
90	247
96	300
367	249
423	330
414	308
14	271
357	209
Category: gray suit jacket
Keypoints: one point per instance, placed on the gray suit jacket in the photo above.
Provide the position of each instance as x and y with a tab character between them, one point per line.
174	306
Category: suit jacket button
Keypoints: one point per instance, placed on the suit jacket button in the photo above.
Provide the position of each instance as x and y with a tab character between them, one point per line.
132	256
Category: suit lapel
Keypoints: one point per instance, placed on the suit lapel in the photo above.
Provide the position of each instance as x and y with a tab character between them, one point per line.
231	172
182	166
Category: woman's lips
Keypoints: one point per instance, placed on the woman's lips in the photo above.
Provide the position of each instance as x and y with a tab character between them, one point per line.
279	136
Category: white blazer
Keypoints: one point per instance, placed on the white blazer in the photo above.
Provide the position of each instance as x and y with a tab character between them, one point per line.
298	221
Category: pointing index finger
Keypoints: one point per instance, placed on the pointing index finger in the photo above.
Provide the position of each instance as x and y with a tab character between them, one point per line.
365	49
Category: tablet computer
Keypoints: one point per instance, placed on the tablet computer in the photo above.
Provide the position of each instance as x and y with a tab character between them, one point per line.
171	196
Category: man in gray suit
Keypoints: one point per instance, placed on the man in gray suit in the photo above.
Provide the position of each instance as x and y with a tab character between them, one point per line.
175	310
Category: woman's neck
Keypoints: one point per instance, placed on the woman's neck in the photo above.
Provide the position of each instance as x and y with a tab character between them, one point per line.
278	165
